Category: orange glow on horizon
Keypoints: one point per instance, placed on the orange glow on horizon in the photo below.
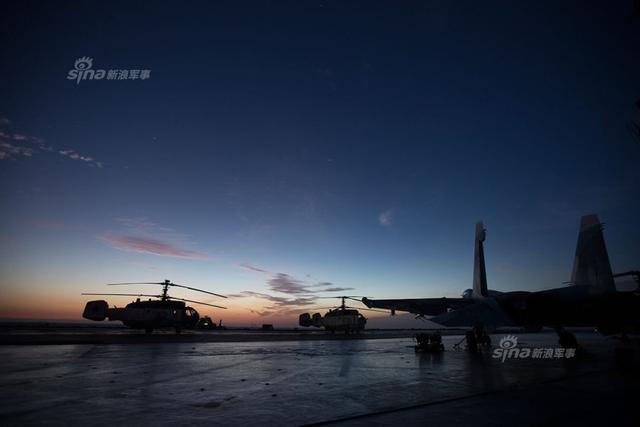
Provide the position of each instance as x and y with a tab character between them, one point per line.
240	312
30	307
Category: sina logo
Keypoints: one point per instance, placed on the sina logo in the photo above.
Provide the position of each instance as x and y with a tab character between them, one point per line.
508	348
82	71
509	341
83	63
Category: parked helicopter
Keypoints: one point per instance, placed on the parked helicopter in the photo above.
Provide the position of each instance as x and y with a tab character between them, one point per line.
341	318
165	312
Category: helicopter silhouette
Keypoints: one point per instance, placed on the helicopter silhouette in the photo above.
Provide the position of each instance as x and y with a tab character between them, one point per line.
339	318
164	312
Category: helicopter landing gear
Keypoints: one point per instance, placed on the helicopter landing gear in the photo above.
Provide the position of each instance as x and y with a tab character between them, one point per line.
178	331
148	331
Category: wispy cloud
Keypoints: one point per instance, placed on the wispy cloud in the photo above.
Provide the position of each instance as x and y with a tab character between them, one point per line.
245	294
385	218
277	305
337	289
143	236
330	287
149	246
321	284
252	268
299	293
286	284
75	156
10	151
283	301
15	145
142	225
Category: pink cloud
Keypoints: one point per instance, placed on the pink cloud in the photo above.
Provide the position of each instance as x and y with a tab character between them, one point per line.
286	284
253	268
150	246
302	293
277	305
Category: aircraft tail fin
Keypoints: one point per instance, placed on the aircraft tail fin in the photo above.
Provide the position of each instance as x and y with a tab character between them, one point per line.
479	270
591	264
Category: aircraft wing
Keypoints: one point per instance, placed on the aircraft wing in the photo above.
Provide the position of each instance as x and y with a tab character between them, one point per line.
421	306
486	312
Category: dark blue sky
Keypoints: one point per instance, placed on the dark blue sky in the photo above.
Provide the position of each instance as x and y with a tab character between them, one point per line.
354	143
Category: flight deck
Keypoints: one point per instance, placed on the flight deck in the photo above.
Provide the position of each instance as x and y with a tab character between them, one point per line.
296	382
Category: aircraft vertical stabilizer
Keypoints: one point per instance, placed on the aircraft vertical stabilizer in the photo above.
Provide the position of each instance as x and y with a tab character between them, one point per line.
591	264
479	270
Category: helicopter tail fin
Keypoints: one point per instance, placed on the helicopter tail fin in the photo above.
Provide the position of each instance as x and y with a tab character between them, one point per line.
96	310
305	319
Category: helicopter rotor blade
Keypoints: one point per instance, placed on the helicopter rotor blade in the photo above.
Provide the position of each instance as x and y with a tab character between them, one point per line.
197	302
368	309
126	295
135	283
166	283
343	296
196	289
348	306
354	299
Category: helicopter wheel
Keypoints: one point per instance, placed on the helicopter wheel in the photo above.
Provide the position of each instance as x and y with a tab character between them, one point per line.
148	331
178	331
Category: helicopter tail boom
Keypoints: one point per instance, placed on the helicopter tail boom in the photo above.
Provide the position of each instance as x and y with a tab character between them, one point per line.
99	310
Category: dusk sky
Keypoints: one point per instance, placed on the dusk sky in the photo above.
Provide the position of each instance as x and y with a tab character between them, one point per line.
281	151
